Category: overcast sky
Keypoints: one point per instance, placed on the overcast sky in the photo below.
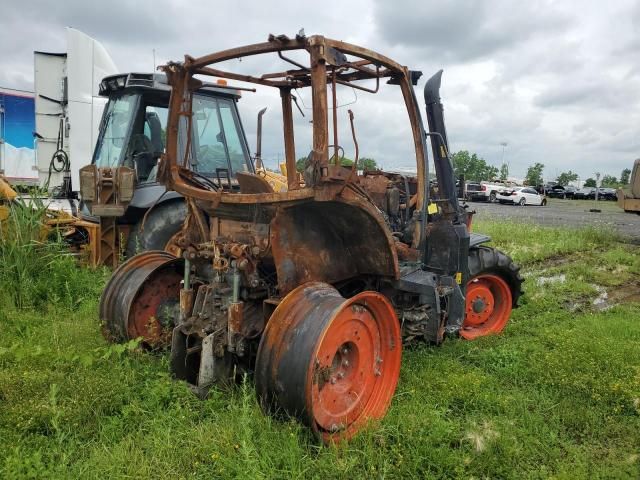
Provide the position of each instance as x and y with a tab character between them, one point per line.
558	81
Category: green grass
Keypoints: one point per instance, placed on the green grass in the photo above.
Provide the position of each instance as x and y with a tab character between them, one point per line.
556	395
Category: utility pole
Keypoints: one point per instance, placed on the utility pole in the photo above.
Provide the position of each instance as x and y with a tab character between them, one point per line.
504	145
596	209
502	169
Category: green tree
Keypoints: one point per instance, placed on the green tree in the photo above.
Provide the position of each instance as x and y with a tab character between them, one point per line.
366	163
590	182
565	178
534	174
609	181
472	167
624	176
504	172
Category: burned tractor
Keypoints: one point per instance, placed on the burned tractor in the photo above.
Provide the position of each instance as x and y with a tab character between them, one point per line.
313	290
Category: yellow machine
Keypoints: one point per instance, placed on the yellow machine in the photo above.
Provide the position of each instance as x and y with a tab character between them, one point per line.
629	198
7	194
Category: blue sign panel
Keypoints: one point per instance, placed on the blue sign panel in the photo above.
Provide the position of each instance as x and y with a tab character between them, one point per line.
17	124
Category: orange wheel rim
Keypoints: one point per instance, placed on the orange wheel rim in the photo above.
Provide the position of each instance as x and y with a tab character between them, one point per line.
332	363
155	307
357	365
488	306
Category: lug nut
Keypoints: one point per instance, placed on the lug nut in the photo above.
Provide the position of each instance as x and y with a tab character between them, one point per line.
345	363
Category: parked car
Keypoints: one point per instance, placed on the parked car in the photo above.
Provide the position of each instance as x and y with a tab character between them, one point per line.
587	193
560	191
557	191
607	194
569	191
475	192
521	196
485	191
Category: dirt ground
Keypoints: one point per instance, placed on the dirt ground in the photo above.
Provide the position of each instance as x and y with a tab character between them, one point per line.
574	213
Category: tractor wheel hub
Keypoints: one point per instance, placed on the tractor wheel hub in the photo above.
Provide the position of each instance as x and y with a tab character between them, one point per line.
479	305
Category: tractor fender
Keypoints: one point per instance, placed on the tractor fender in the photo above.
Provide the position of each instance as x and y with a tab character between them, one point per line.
331	241
477	239
145	196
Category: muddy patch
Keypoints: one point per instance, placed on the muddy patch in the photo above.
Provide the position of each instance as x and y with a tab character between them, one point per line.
606	299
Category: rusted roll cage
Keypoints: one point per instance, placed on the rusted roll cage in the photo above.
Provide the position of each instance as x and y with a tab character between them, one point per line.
329	64
306	288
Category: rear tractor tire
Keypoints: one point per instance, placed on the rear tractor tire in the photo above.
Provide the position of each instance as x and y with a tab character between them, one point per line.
332	363
158	230
492	292
142	299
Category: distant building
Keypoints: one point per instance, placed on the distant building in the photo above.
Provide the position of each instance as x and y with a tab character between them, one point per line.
17	124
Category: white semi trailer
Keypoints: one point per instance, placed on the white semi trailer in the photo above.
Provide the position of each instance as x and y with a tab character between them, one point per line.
68	110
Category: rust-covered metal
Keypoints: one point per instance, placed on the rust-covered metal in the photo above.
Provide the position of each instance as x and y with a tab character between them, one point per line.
141	299
331	362
317	285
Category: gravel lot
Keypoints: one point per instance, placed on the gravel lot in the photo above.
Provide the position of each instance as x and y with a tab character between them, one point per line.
573	213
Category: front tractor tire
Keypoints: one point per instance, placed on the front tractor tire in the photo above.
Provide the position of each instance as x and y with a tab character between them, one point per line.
158	230
493	290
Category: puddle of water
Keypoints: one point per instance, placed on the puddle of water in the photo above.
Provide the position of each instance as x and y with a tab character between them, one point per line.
561	278
601	301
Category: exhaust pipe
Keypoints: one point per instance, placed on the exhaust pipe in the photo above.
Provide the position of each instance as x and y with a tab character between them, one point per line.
259	139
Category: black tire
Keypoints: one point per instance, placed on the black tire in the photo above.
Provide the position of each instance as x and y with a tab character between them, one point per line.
544	202
161	224
522	202
492	197
483	260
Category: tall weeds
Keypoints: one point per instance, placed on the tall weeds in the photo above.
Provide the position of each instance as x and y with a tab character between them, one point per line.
36	270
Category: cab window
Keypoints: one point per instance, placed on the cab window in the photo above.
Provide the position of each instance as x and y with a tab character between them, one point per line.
118	116
217	140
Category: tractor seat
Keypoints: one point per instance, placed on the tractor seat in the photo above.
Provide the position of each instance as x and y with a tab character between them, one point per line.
252	183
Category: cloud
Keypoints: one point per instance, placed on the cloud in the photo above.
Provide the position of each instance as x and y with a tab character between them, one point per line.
558	81
464	31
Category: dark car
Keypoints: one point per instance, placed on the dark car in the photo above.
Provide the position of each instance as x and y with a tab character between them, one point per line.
587	193
560	191
569	191
557	191
607	194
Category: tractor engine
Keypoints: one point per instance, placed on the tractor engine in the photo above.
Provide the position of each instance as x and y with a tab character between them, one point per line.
219	336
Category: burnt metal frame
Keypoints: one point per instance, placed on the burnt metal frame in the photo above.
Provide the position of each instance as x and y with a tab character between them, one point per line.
328	63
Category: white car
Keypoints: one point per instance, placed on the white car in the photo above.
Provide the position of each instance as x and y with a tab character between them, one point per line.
521	196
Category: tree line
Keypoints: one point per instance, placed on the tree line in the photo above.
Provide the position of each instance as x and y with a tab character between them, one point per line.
476	169
364	163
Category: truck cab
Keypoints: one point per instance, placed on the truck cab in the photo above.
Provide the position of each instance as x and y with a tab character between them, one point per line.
121	184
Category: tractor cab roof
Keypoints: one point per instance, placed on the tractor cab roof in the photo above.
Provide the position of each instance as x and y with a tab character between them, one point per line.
156	82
